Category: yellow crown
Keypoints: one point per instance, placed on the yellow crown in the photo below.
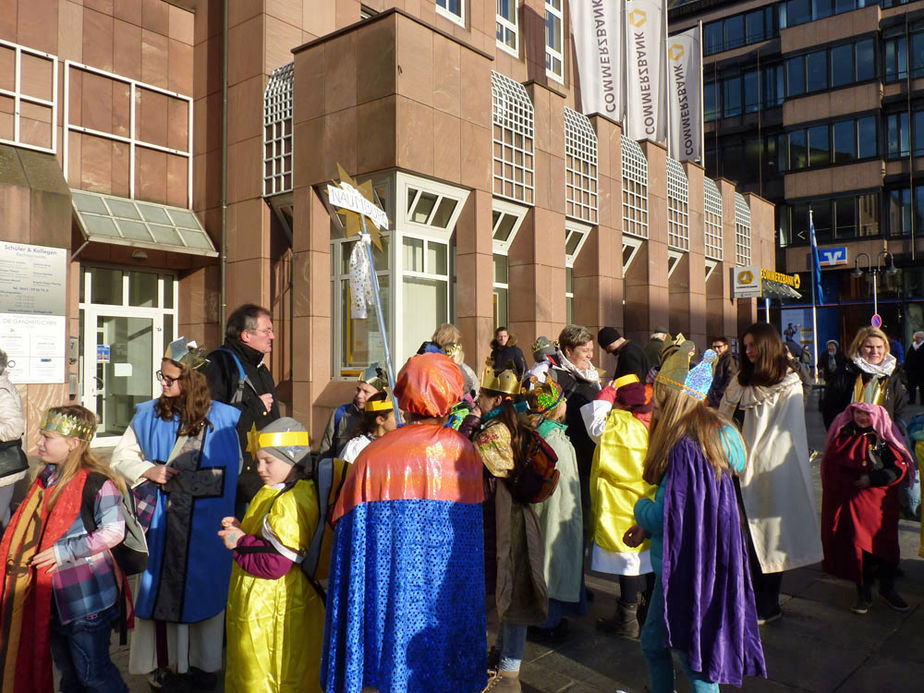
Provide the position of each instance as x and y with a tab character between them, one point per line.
283	439
505	381
386	404
67	425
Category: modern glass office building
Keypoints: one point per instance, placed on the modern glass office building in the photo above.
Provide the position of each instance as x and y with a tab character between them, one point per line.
819	105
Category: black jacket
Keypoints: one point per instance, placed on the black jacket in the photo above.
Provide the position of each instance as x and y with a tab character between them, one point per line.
914	364
839	392
223	376
508	354
653	352
824	365
631	359
726	368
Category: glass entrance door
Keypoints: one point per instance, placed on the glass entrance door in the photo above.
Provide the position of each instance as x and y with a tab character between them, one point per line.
127	319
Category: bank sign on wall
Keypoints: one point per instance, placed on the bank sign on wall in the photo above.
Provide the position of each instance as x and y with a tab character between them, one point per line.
33	308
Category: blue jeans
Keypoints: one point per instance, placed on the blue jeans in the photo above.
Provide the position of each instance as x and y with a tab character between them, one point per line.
511	639
658	655
80	650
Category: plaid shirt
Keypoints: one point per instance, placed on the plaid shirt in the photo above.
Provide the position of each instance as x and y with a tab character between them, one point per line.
84	582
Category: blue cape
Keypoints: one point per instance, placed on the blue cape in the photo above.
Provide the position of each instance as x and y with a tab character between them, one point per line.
199	589
708	598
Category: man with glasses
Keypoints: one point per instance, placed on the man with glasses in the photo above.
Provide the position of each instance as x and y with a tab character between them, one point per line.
238	375
726	368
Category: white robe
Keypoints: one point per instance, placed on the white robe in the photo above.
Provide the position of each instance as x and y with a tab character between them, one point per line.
776	484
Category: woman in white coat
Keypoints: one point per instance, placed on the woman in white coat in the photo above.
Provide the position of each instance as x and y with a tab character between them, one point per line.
13	462
776	487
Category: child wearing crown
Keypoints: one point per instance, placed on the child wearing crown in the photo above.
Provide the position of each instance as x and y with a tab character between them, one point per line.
617	421
702	605
275	619
378	418
60	584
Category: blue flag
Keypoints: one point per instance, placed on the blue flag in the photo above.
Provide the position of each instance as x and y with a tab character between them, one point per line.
816	263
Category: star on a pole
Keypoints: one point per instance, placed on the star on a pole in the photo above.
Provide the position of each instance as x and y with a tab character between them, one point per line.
355	202
253	440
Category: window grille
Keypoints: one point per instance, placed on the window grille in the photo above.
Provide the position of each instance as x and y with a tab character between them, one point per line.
513	139
742	231
713	219
30	119
277	131
580	167
634	189
678	207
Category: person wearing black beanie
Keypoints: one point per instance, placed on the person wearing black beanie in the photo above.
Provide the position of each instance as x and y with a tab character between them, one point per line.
630	357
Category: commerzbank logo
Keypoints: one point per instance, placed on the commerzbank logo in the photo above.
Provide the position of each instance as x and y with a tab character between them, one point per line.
746	277
675	52
637	17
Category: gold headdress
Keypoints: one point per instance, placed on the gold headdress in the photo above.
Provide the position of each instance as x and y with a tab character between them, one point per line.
67	425
506	381
377	405
676	372
375	376
281	439
185	351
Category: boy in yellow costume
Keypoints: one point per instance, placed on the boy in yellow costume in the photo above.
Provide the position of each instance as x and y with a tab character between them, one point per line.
275	619
617	420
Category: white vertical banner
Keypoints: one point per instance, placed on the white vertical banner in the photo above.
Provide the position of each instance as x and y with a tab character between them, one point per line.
646	109
685	96
598	45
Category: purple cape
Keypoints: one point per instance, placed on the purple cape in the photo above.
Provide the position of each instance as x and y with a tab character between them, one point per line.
708	598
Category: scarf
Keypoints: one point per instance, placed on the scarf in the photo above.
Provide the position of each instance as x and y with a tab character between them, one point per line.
590	375
883	425
880	370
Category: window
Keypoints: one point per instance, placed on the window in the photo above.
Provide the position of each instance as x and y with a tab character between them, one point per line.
842	65
751	87
798	12
774	85
868	137
917	55
742	231
795	76
845	142
734	32
170	146
816	71
512	114
754	26
713	220
678	207
452	9
732	97
507	219
575	235
29	98
500	291
895	57
740	30
897	135
902	212
714	39
839	142
580	167
918	132
554	39
798	153
819	146
277	131
710	100
837	219
866	60
634	189
507	26
822	9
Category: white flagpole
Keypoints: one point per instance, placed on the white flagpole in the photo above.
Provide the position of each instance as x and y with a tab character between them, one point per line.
814	299
702	102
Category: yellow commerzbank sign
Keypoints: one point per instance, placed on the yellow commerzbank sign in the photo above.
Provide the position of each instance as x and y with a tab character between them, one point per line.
749	281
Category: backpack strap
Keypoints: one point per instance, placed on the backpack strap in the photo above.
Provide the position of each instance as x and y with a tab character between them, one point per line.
91	488
242	377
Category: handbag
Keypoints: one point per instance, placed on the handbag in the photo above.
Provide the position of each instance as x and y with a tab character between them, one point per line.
12	458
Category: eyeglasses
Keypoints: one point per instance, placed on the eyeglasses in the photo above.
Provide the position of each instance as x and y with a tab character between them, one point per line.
719	346
268	331
166	379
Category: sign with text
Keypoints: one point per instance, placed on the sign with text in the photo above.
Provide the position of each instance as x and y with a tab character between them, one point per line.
33	279
598	41
685	96
747	282
645	91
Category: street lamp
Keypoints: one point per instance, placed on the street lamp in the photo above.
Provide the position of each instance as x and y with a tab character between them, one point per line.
890	270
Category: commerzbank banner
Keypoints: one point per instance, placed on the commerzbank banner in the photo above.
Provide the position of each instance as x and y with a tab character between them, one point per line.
684	70
598	44
645	93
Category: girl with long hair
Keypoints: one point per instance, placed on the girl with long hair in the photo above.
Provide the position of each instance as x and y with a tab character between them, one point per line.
60	585
378	418
702	605
777	494
181	447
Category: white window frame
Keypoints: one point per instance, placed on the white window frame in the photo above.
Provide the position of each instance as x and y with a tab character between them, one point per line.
133	142
19	97
500	286
635	244
712	220
678	207
500	208
278	99
509	26
554	10
710	268
673	261
581	186
513	128
742	231
573	228
634	189
442	9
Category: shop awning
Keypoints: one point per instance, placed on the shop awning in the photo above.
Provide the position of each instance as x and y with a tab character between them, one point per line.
773	289
121	221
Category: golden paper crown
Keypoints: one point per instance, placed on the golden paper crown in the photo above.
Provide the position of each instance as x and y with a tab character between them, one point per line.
452	350
186	351
373	405
374	375
67	425
625	380
505	381
284	439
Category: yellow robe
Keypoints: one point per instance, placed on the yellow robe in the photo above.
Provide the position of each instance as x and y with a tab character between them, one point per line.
275	628
615	485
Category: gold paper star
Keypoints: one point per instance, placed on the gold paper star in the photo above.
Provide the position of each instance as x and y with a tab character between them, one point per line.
253	440
353	225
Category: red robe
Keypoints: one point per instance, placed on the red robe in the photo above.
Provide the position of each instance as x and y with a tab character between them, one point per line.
854	520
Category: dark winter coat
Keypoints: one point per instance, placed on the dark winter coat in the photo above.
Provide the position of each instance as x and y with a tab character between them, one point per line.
839	392
630	358
726	368
508	356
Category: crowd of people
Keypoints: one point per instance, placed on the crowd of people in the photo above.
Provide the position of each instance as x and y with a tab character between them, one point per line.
684	477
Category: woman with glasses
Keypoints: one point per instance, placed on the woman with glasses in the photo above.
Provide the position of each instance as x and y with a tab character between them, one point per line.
181	457
777	495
